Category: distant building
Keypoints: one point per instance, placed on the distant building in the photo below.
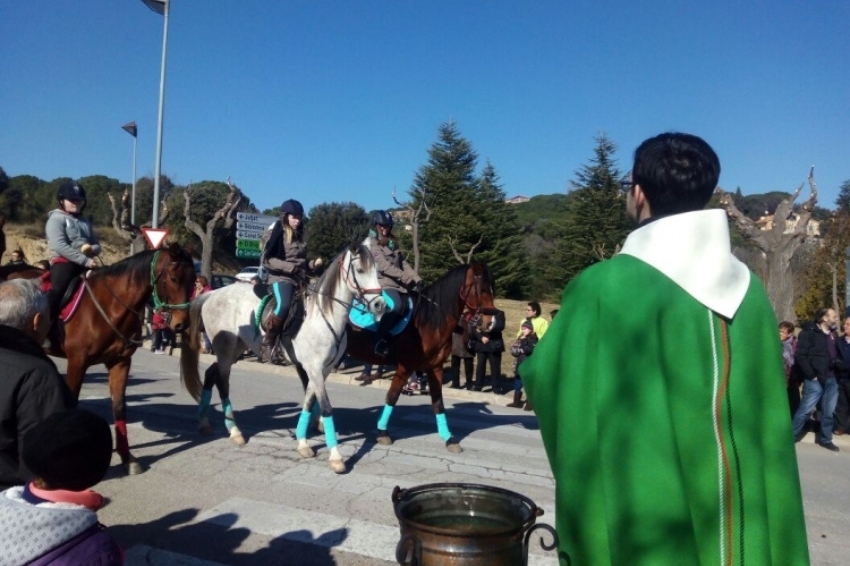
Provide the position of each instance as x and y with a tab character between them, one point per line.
517	199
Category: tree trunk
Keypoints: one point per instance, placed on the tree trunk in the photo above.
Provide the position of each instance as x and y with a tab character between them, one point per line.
778	283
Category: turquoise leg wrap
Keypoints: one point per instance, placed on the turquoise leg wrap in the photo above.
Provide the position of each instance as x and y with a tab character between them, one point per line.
303	423
204	403
385	417
330	432
443	427
227	408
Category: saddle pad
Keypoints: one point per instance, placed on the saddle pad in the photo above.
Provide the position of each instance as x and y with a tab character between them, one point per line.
360	316
71	306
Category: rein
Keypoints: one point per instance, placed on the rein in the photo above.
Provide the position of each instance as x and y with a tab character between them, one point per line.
351	281
127	341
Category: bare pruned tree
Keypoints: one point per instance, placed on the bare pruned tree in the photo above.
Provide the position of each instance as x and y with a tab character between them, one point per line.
121	221
468	259
779	243
223	218
418	217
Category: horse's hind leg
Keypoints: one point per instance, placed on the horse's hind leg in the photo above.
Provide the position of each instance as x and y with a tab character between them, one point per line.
223	385
435	380
335	459
118	373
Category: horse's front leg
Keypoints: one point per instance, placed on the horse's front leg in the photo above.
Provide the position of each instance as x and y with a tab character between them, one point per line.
435	385
118	373
310	405
398	382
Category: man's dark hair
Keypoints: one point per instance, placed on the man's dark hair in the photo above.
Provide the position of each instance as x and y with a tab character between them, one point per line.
535	306
677	173
821	313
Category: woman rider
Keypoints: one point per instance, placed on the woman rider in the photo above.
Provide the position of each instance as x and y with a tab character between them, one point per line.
71	240
395	276
285	259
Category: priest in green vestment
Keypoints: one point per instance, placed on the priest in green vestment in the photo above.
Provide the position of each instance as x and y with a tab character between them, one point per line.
660	390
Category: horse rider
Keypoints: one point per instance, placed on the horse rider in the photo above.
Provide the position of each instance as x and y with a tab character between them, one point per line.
71	240
285	259
395	276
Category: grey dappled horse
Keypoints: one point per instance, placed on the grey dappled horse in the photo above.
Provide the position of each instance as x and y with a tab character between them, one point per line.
229	317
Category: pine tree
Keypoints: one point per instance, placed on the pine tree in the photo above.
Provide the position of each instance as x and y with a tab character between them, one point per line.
597	223
501	242
449	185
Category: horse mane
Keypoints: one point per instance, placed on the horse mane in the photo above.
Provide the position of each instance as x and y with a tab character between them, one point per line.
439	301
7	270
326	285
137	266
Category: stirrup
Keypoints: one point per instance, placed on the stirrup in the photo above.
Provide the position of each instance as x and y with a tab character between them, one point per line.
382	348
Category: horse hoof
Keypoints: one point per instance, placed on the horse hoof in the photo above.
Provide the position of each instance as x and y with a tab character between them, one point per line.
206	429
338	466
453	446
133	467
237	438
384	438
306	452
320	426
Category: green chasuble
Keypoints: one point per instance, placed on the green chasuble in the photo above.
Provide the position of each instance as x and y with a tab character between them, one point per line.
666	425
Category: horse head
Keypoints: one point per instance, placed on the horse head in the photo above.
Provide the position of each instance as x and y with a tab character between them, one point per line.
477	294
358	268
173	281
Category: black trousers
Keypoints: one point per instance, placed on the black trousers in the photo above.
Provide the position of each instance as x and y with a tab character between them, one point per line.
495	361
467	370
61	275
842	408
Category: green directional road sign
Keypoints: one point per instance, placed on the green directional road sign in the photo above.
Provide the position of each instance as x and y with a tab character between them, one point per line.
248	245
249	254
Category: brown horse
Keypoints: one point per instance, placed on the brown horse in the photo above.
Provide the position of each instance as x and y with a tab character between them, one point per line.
106	328
464	293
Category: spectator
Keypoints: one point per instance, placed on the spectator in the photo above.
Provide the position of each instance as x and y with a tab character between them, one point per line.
520	350
532	313
552	314
488	346
30	388
17	258
842	405
789	347
659	396
161	334
202	286
818	358
53	520
367	376
460	352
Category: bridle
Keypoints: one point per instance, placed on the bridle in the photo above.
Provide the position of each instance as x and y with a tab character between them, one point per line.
350	279
472	312
157	302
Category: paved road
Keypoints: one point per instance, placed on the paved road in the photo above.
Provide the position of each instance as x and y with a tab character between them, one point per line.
203	501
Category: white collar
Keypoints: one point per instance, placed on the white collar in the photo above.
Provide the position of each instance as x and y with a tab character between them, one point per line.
693	250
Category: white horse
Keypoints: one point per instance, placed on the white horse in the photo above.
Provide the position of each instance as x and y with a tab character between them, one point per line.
230	319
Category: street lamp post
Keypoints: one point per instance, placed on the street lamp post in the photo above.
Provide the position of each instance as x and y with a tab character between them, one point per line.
131	129
162	7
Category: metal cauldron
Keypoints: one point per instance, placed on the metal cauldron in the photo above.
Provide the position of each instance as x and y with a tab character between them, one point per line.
463	524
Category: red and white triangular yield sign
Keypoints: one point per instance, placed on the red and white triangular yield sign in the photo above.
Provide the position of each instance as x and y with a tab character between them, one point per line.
155	236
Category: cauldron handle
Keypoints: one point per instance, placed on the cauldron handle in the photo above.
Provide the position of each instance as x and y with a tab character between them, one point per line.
411	557
543	544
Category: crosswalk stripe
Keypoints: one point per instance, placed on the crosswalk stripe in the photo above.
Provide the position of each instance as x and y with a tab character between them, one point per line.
356	536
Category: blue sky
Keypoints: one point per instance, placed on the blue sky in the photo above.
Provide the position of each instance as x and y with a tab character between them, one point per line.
332	101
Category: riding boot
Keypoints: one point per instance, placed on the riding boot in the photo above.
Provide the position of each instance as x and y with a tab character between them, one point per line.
381	345
517	404
270	338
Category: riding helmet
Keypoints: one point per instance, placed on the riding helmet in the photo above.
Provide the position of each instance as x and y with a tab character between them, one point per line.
292	207
71	190
382	218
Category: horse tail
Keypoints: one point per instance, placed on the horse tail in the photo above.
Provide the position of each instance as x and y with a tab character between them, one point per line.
189	373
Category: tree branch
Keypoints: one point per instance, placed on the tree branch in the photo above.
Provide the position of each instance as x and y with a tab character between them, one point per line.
120	222
747	227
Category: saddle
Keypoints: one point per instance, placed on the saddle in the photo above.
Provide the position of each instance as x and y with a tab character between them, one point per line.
268	304
360	317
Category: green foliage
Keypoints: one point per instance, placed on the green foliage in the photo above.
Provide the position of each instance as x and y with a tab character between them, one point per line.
597	223
468	213
334	225
831	255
